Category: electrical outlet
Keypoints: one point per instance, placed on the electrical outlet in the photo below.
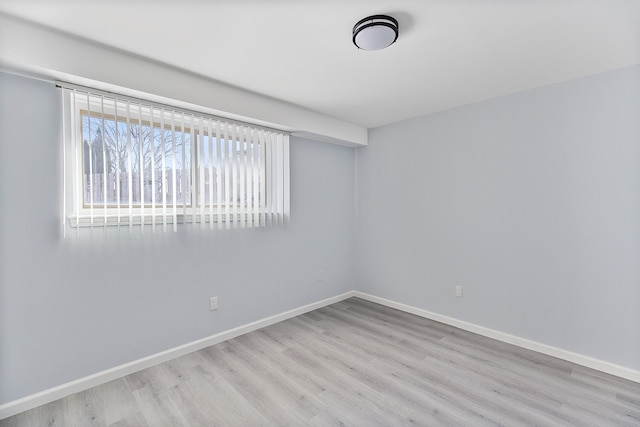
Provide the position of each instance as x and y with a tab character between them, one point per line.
459	291
320	275
213	303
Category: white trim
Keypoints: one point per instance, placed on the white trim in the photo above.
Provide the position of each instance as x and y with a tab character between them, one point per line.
589	362
47	396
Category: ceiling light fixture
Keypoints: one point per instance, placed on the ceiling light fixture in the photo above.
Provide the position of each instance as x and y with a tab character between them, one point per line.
375	32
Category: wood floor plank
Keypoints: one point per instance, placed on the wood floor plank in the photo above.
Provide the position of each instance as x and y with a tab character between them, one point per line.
444	376
252	385
225	405
388	363
133	420
354	363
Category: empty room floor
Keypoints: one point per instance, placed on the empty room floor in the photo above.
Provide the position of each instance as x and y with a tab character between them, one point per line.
353	363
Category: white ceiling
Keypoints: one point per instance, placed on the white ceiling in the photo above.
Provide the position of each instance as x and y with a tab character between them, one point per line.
449	52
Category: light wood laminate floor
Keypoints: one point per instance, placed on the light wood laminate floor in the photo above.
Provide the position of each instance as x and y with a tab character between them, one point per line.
354	363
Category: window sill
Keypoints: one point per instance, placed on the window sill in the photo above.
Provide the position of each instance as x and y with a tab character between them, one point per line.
82	221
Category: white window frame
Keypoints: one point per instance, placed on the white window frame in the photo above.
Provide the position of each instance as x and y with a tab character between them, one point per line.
265	190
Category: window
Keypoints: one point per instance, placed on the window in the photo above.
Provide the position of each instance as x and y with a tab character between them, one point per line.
139	164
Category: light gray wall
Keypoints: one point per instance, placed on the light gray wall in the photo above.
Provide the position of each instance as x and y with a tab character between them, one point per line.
531	202
69	308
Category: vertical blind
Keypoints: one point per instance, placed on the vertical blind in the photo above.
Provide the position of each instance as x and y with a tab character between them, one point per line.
136	163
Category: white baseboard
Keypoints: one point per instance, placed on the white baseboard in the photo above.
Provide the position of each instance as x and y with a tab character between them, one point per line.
47	396
55	393
589	362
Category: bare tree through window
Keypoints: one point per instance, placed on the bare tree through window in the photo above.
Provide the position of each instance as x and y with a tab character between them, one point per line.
123	160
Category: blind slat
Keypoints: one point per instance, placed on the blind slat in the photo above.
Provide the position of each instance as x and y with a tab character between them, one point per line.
285	183
256	178
263	180
117	169
152	162
140	170
227	183
193	145
201	183
129	166
242	171
88	143
250	179
210	180
183	176
174	189
234	175
64	132
77	166
219	173
269	180
163	184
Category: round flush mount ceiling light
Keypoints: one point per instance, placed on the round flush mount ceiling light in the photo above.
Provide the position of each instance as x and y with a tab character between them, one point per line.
375	32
